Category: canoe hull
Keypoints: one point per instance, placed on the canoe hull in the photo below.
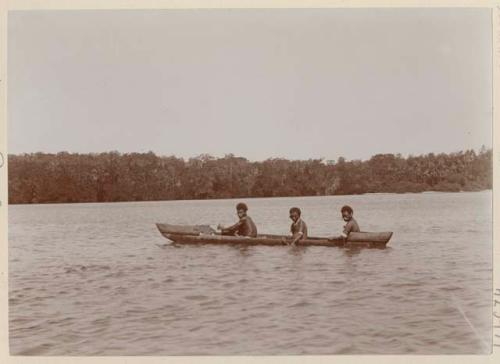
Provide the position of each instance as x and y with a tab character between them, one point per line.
185	229
188	236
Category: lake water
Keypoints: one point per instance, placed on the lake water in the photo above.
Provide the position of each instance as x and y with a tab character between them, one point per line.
98	279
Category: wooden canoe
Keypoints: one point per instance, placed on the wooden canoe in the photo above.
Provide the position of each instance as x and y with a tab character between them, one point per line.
204	234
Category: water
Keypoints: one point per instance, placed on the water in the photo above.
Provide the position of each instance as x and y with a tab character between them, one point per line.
97	279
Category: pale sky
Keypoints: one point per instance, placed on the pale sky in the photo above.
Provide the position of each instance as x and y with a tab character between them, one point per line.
264	83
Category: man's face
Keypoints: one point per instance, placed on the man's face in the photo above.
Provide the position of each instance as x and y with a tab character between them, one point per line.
241	213
346	216
294	216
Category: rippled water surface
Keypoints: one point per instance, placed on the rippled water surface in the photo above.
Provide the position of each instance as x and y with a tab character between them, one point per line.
98	279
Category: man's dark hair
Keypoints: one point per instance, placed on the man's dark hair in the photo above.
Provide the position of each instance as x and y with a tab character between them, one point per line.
346	208
295	209
241	206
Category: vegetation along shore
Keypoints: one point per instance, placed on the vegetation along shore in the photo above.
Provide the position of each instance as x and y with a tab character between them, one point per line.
112	176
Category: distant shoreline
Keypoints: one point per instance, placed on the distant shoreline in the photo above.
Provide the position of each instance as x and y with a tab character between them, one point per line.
113	177
250	198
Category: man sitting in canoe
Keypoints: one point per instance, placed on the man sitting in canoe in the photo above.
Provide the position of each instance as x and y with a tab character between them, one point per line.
351	225
244	227
298	227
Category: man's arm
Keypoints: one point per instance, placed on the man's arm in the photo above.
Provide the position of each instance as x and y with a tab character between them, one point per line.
298	235
231	230
345	232
347	229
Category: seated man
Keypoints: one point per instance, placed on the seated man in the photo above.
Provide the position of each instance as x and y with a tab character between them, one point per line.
244	227
352	225
299	227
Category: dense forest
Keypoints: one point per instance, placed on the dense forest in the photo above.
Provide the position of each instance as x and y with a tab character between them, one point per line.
68	177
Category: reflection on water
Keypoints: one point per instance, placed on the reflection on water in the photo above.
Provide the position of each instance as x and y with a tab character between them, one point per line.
352	251
245	251
297	250
98	279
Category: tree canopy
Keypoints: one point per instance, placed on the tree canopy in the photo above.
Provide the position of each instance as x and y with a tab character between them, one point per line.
112	176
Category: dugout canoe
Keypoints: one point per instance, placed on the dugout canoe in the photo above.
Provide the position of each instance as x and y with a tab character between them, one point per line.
204	234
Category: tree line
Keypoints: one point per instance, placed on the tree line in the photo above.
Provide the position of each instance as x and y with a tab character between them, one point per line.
112	176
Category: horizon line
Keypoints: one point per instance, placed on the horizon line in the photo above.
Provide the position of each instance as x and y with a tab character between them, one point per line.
232	155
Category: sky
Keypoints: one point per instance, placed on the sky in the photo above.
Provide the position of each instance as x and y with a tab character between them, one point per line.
257	83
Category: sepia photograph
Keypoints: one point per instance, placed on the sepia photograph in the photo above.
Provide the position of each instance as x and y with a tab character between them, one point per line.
251	182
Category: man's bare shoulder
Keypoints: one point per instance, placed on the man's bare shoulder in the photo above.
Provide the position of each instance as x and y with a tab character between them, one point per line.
353	225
